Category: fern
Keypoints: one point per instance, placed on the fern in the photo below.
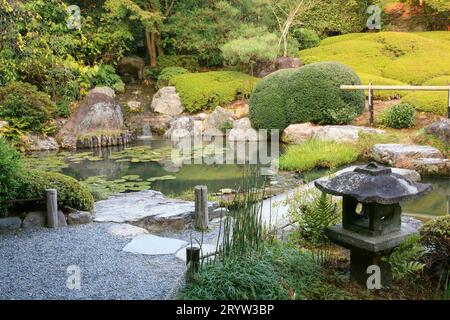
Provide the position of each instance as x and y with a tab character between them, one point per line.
404	260
316	217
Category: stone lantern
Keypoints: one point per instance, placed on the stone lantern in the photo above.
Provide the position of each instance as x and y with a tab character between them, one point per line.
371	216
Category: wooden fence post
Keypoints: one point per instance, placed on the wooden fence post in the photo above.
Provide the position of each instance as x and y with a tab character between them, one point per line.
371	105
52	208
192	262
201	207
448	105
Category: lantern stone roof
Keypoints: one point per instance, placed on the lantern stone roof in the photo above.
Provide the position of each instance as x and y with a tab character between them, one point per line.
373	183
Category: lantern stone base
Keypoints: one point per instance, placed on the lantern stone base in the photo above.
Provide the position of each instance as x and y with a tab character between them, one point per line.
367	250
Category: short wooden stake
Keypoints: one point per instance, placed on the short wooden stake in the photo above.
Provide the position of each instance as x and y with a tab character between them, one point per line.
192	262
52	208
371	105
201	207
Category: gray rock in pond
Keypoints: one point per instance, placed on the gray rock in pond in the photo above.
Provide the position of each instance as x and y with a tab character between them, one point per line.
41	143
10	223
243	131
440	129
79	217
35	219
215	121
167	101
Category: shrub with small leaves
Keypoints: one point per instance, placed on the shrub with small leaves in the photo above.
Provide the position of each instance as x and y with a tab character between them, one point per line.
398	116
435	236
306	38
22	101
10	166
167	74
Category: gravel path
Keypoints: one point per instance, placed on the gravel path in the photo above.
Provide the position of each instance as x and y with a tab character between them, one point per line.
33	265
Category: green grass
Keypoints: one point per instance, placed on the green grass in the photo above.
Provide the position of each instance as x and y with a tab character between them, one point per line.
207	90
279	272
315	153
411	58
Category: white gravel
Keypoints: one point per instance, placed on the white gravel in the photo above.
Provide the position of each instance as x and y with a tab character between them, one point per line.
33	265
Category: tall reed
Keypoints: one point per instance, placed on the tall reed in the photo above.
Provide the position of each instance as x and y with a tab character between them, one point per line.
244	228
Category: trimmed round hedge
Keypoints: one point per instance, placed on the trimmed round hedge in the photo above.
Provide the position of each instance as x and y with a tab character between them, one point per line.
307	94
10	168
71	193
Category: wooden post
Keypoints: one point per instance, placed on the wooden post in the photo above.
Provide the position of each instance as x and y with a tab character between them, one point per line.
192	262
448	105
371	105
52	208
201	207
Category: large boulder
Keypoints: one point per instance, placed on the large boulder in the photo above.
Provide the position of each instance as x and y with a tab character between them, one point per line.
131	68
41	143
440	129
167	101
342	133
35	219
182	128
215	122
397	154
427	166
98	118
243	131
298	133
263	69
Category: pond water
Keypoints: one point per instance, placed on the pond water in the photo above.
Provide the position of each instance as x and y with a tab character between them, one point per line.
148	164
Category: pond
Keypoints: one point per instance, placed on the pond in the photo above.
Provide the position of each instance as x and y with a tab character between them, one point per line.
148	164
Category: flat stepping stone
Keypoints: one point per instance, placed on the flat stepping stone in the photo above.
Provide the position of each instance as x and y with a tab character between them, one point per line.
149	209
126	230
206	249
154	245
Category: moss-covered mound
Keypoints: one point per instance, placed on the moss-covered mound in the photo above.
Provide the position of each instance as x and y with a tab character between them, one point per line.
308	94
411	58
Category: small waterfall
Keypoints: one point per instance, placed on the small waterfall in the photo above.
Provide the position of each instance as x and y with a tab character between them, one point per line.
146	132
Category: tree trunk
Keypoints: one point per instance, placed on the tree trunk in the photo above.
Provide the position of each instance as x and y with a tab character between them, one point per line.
151	48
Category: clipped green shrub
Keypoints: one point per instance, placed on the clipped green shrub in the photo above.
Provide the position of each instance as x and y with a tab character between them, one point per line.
317	154
107	76
430	101
10	167
267	103
399	116
307	94
167	74
315	95
306	38
435	235
23	102
71	193
207	90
